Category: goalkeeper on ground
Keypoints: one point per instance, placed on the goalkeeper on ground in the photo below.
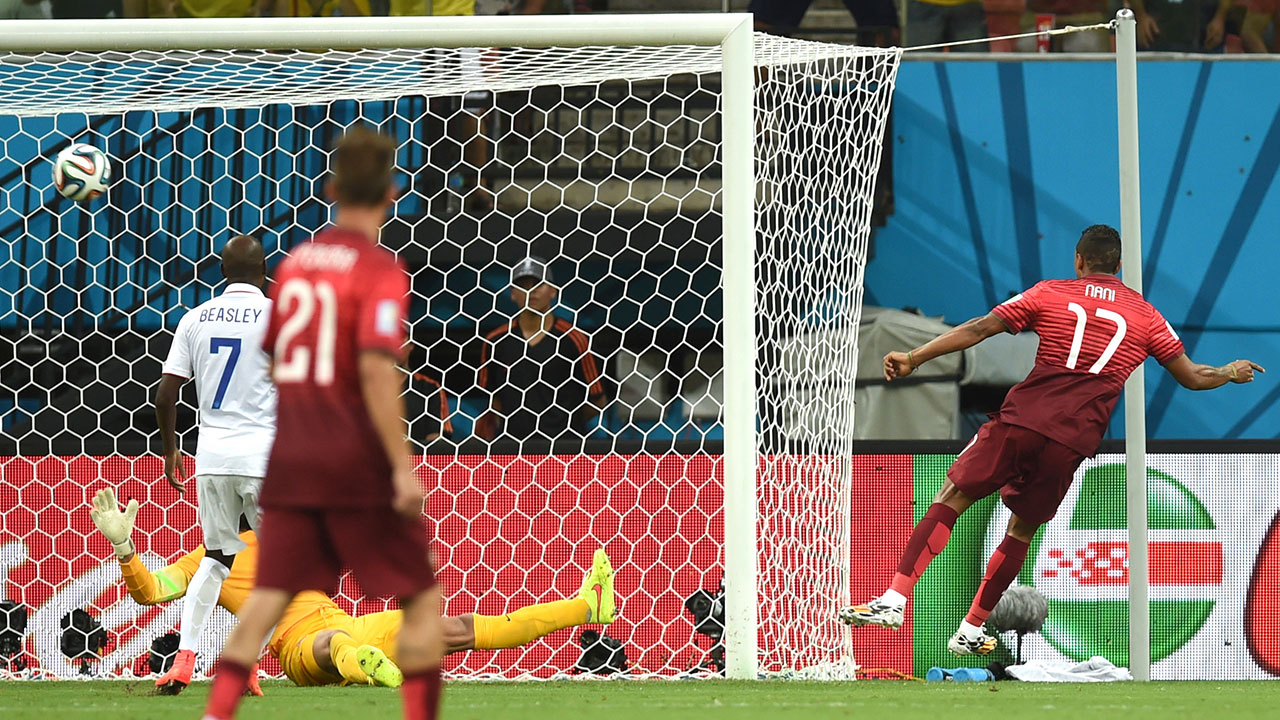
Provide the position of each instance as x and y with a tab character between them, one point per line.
316	642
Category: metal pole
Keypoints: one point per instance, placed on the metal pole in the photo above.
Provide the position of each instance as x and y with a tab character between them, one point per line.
740	463
1135	415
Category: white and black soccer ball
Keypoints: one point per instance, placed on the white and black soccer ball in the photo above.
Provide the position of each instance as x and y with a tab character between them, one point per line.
81	172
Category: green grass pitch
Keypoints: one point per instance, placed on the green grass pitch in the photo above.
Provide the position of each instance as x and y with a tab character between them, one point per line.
705	700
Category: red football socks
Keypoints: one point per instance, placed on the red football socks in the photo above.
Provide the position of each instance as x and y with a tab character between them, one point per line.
228	687
1003	567
927	540
421	695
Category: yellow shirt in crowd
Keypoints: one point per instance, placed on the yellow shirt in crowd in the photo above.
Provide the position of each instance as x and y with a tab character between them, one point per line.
399	8
453	7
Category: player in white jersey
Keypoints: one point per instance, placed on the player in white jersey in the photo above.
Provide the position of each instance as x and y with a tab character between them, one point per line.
219	345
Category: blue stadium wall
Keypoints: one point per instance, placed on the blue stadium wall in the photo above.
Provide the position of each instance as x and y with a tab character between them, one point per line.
998	166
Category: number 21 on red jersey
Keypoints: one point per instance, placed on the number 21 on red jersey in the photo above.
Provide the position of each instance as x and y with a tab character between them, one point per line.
303	302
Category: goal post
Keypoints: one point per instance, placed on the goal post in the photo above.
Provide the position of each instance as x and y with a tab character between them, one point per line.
1135	395
739	188
676	164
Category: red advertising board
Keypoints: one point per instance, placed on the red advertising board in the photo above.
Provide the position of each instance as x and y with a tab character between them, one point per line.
509	531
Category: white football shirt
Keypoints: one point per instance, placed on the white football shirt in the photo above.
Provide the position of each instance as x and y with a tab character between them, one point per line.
219	345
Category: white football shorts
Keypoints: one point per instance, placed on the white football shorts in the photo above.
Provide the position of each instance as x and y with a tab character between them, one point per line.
222	500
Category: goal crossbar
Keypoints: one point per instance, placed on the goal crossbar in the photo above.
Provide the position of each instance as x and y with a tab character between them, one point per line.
331	33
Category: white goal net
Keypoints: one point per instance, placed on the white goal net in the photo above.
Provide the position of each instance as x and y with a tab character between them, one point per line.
593	419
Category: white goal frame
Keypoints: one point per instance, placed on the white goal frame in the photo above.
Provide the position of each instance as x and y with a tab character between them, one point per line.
732	32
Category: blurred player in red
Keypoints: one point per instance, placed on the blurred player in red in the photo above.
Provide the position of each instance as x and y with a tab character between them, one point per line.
1094	331
340	491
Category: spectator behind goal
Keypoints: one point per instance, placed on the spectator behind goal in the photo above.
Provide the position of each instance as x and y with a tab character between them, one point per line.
537	370
877	20
1177	26
930	22
1065	12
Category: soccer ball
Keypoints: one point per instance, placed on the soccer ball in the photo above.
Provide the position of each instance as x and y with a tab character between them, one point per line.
81	172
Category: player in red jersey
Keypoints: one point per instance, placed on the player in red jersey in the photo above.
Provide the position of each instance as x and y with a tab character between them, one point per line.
1094	331
340	490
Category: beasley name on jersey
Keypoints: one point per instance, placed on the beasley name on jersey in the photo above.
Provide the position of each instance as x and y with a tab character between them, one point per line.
231	315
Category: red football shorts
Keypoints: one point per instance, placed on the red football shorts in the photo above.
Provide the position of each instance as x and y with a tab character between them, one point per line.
1031	471
303	549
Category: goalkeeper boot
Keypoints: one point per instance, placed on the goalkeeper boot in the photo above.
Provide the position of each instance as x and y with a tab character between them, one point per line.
254	688
597	590
380	669
971	642
178	677
876	612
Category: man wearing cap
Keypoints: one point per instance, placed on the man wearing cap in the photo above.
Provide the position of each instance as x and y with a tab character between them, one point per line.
537	370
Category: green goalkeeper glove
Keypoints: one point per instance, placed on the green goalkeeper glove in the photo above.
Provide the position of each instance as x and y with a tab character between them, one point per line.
115	525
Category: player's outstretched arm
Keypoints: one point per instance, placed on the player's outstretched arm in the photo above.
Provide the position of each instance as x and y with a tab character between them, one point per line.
1196	376
960	337
144	586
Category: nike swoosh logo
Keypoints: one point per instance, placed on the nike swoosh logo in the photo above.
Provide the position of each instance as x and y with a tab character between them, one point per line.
599	591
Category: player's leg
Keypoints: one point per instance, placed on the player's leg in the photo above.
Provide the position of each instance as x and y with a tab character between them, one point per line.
220	508
371	648
420	648
299	661
1004	565
340	654
202	596
259	614
978	471
389	557
926	541
294	553
459	633
594	603
1045	469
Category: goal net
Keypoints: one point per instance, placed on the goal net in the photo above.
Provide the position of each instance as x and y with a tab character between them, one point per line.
562	219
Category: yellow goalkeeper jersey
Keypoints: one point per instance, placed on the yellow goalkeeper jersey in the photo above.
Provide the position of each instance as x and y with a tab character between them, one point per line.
309	609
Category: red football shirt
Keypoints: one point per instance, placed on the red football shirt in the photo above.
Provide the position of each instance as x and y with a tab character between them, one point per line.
335	297
1094	332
